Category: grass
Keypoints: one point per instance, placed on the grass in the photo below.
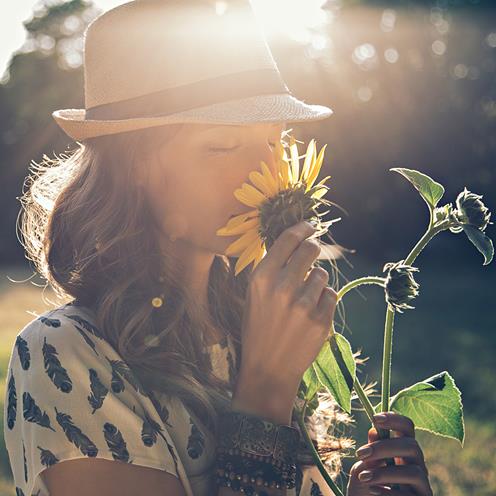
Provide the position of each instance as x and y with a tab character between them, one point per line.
444	332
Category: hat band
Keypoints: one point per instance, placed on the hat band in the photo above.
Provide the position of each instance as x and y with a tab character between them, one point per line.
180	98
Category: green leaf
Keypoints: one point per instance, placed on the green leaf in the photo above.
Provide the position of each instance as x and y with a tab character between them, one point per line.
335	367
434	405
311	382
430	190
482	242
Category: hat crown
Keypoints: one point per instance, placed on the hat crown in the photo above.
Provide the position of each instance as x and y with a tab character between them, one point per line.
146	46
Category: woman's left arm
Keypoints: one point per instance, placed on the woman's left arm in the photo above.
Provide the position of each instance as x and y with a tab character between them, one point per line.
371	475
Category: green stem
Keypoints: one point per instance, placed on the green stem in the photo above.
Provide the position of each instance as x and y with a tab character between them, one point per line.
358	282
364	400
389	324
301	422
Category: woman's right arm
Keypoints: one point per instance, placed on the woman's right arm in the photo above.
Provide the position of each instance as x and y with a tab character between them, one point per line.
287	319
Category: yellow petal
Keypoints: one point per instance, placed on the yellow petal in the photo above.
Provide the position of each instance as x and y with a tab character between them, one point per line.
295	159
241	243
243	197
322	181
319	193
283	175
269	177
238	219
261	253
240	228
309	158
259	181
253	193
316	167
247	256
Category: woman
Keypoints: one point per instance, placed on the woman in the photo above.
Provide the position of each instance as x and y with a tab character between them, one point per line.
159	337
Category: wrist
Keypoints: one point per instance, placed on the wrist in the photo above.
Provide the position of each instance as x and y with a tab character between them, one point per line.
264	397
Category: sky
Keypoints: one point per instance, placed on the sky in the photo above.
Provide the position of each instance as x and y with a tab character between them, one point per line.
12	32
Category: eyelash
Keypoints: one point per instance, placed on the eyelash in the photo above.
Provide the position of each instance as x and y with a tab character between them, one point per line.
225	150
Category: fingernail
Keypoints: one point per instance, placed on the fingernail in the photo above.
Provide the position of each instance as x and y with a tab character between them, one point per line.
364	452
366	475
375	491
380	417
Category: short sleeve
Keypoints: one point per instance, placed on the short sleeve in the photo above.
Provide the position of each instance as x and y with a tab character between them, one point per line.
69	395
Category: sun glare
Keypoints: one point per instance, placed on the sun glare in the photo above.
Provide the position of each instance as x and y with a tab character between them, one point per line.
290	18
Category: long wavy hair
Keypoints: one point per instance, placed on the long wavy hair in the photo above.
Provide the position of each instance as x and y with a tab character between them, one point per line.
89	229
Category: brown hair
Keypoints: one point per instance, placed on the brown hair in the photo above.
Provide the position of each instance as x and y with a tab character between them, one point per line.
89	230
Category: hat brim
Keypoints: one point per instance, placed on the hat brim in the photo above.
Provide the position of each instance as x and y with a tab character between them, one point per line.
261	108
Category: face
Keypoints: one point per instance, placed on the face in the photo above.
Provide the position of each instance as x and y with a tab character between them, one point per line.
192	178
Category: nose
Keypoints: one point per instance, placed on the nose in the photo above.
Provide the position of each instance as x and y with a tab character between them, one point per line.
265	153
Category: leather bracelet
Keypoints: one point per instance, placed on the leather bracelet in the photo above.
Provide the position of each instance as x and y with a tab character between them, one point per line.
259	436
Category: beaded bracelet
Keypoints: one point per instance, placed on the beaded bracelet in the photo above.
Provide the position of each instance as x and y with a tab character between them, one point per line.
255	450
250	470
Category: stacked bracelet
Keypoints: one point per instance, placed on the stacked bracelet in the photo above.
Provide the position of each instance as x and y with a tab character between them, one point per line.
255	451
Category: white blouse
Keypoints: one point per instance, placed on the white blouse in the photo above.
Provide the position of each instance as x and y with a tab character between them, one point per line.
70	395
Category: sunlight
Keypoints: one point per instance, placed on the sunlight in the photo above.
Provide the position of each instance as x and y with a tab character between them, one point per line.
293	18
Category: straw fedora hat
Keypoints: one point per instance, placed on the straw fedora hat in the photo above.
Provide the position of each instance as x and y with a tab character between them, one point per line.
154	62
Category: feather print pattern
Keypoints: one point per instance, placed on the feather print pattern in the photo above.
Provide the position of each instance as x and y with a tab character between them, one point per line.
315	490
88	340
108	411
196	442
75	435
121	370
87	326
149	431
50	322
33	413
11	402
98	391
47	458
54	369
23	351
162	410
25	464
115	442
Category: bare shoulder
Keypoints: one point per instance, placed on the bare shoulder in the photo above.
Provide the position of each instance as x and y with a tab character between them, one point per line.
101	477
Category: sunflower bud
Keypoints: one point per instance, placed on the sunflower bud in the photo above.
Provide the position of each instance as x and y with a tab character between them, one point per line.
400	286
443	213
471	210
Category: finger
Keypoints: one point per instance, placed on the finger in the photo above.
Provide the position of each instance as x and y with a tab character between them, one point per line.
311	290
326	306
399	424
405	447
414	475
301	262
285	244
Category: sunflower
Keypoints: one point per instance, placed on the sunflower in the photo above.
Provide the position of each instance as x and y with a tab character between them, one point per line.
278	202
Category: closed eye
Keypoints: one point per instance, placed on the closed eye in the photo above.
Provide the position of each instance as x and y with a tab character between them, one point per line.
225	150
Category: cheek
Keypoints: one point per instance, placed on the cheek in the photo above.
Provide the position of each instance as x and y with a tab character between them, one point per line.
187	207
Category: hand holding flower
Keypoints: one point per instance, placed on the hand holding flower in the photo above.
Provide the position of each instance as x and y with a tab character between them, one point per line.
371	475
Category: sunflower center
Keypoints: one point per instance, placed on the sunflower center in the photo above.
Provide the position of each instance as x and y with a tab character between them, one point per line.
286	208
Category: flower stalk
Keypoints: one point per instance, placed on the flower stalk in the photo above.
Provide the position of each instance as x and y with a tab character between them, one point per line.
301	422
